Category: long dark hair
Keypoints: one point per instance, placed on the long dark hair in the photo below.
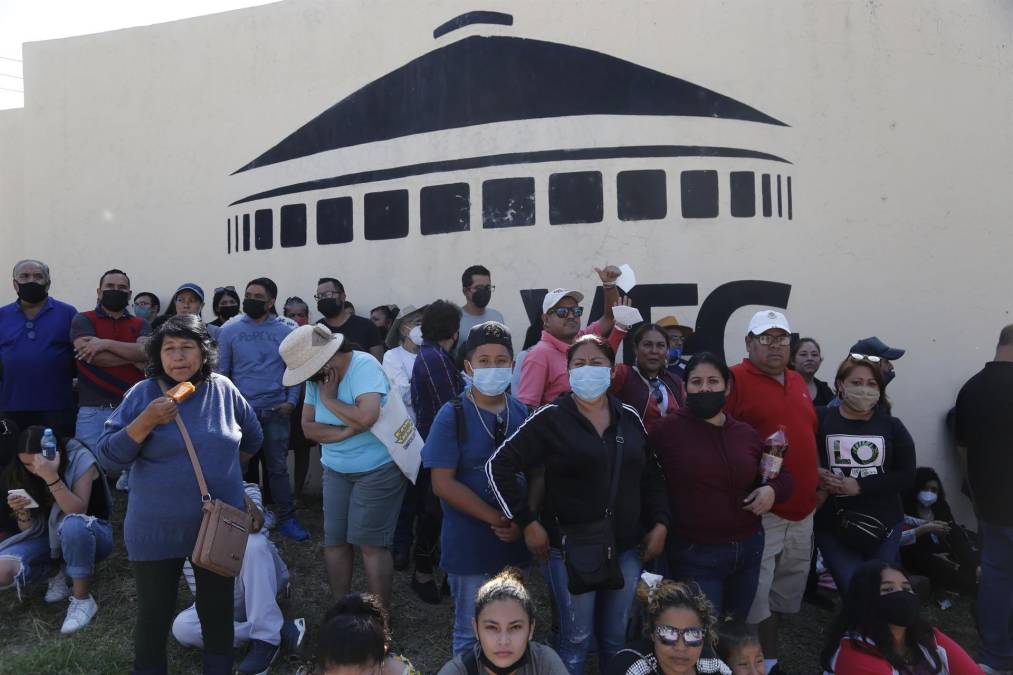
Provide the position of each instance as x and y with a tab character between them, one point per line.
17	476
189	327
862	617
849	364
941	509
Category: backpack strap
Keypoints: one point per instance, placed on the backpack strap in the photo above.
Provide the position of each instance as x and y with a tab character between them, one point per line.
471	662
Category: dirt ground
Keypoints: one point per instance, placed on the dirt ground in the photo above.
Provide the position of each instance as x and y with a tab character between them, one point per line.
30	642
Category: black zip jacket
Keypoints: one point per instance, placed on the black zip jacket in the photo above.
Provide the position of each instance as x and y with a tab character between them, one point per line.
578	464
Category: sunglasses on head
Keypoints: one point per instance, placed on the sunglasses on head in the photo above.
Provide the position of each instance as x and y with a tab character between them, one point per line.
669	635
863	357
563	312
222	289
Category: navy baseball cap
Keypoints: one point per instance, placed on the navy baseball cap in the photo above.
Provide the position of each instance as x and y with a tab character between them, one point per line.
873	346
192	287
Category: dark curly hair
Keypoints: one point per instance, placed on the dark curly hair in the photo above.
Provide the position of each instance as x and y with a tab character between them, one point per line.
355	633
668	594
188	327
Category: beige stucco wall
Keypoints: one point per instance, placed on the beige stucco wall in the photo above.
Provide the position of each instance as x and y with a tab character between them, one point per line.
900	141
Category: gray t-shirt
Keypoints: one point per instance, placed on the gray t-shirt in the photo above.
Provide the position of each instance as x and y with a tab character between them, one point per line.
469	321
544	661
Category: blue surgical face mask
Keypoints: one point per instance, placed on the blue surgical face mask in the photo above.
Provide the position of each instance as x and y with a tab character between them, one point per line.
927	498
491	381
674	354
142	312
590	382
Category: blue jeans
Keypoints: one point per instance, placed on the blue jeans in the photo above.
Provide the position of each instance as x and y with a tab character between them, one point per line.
995	596
91	421
84	541
275	450
726	573
601	614
463	588
842	560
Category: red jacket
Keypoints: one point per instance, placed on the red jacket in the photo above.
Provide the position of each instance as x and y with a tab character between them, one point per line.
851	660
764	403
709	471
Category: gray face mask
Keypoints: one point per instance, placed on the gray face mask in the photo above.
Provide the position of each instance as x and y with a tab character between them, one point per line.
862	399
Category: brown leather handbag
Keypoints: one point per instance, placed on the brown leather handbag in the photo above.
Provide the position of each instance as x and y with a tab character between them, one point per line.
224	529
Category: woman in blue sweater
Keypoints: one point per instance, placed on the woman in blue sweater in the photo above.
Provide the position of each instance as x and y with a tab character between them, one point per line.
164	510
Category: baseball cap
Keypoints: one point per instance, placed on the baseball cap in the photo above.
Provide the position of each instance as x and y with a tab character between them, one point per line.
873	346
489	333
192	287
553	297
766	319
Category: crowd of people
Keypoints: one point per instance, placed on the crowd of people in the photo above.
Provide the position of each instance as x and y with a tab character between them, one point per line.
676	506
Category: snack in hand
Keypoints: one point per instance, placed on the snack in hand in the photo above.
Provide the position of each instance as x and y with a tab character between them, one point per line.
181	392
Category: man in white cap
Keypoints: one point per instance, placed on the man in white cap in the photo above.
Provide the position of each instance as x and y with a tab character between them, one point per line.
768	395
543	373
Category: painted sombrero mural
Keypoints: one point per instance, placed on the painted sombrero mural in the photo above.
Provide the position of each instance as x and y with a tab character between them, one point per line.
361	158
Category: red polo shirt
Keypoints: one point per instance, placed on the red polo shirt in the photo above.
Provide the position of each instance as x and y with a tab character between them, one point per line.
763	402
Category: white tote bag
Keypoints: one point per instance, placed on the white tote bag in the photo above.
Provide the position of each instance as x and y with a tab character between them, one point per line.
397	431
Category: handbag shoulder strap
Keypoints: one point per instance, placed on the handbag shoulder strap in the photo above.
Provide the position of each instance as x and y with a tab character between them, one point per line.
617	466
205	495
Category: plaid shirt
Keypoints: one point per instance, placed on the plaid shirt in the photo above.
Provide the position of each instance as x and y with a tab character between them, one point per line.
435	380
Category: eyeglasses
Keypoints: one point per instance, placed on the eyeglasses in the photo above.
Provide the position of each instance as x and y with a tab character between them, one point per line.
677	340
863	357
489	288
222	289
669	635
326	294
774	340
563	312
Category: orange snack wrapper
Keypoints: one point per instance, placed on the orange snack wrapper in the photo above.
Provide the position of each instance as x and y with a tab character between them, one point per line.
181	391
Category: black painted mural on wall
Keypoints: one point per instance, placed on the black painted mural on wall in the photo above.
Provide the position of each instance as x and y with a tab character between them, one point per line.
479	80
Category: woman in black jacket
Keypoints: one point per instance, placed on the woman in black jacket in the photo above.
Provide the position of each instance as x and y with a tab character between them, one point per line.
577	438
933	544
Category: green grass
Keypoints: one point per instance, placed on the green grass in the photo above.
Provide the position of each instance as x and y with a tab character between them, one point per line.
31	644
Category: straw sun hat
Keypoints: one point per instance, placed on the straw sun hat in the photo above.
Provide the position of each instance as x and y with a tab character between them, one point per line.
305	351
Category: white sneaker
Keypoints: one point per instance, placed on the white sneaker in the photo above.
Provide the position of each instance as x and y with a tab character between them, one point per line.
58	589
79	614
123	482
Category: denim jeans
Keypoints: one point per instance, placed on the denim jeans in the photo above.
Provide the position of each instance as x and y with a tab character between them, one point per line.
91	421
463	588
726	573
84	541
599	614
275	450
995	596
843	561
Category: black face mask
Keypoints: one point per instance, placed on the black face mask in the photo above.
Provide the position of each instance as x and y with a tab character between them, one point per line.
515	666
705	404
254	308
228	312
900	608
329	307
481	297
32	292
115	301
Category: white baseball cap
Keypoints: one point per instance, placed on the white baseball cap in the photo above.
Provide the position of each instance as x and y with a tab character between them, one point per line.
553	297
766	319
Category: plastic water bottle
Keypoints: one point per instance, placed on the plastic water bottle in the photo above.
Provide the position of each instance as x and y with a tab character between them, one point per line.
48	444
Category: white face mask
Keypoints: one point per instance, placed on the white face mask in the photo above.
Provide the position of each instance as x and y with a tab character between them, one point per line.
927	497
416	335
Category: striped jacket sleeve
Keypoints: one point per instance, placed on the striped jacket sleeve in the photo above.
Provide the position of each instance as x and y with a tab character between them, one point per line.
524	448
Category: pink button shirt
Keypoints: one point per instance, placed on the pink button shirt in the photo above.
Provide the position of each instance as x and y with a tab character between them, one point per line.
544	374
